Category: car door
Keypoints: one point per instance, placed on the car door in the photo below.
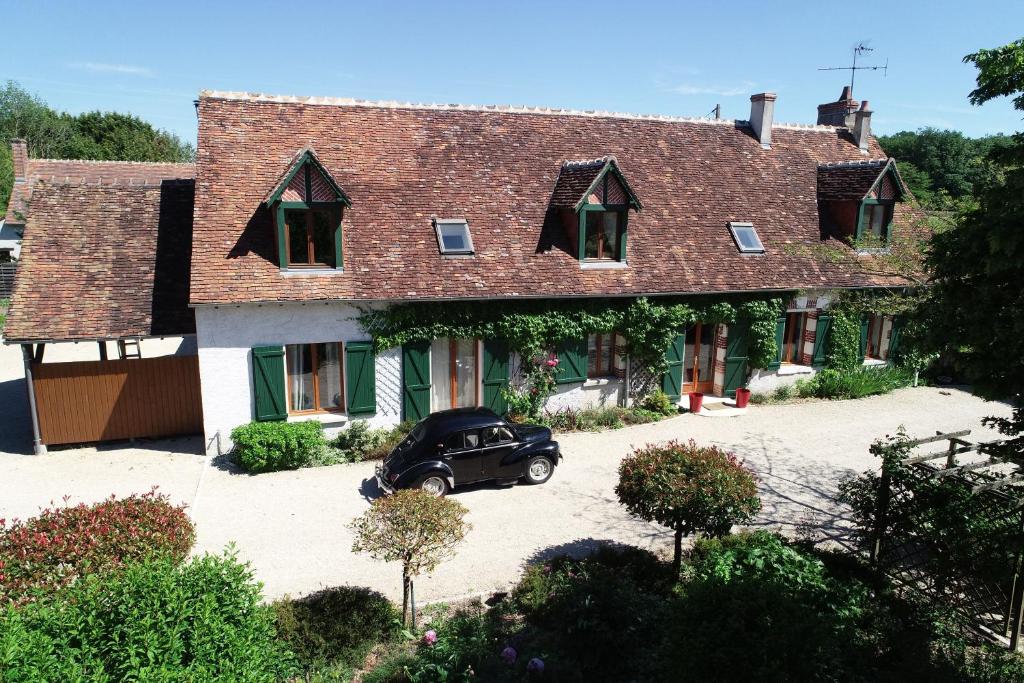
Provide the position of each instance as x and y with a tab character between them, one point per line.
498	443
462	454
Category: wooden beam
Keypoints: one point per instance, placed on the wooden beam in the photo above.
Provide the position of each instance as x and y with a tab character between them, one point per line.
968	467
998	484
914	459
938	437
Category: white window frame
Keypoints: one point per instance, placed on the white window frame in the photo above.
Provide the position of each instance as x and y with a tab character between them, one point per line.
735	227
441	223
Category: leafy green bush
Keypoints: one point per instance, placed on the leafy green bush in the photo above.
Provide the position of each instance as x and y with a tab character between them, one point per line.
783	393
272	446
199	621
858	383
658	402
597	419
759	399
60	545
337	626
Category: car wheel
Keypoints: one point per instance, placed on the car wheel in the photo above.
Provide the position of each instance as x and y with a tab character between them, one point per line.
433	484
539	469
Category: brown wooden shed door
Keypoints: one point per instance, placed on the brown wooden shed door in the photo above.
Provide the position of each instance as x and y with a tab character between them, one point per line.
88	401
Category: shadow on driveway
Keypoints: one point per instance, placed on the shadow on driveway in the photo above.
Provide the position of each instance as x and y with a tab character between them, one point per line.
15	422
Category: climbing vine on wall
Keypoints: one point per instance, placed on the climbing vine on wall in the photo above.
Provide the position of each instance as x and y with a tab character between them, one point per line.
843	350
532	327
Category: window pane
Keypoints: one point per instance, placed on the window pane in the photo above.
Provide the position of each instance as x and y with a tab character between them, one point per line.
472	439
454	236
706	354
688	350
465	373
323	238
300	376
592	355
793	337
440	375
610	225
590	247
455	442
329	376
877	220
298	250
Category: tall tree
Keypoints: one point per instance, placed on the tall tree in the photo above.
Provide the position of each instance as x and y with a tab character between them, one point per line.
978	267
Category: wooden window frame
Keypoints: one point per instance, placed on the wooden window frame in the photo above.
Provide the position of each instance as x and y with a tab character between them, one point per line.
787	338
316	380
876	322
600	372
623	212
336	215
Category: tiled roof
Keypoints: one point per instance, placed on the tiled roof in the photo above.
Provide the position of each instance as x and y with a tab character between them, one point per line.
574	179
849	180
80	172
104	262
401	165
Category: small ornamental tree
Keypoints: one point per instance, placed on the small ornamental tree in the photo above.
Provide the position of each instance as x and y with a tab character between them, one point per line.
414	528
690	489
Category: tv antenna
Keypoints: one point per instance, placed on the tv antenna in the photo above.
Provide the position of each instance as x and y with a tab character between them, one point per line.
859	49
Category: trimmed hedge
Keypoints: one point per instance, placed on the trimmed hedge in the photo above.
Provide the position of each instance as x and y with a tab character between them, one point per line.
156	621
60	545
272	446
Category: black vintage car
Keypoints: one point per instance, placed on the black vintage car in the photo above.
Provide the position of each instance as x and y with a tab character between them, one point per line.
465	445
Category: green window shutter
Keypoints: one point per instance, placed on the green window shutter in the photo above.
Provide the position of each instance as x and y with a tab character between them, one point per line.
862	351
360	378
268	383
894	339
415	381
780	338
672	380
737	342
495	375
572	361
821	334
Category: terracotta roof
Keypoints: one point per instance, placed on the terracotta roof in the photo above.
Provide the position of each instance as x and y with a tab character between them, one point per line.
104	262
81	172
401	165
576	181
852	180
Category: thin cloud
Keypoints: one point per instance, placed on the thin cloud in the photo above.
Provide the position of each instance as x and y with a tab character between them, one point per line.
720	90
100	67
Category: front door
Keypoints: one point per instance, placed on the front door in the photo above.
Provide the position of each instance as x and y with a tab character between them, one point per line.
699	358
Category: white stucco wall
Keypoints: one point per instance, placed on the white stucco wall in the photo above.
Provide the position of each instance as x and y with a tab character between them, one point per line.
226	335
594	393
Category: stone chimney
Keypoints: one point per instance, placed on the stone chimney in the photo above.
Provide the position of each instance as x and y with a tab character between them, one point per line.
840	112
762	111
19	153
862	126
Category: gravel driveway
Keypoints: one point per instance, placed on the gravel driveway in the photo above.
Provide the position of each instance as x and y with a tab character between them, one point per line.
291	525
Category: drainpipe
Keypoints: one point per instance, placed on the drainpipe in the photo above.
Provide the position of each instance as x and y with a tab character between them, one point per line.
38	447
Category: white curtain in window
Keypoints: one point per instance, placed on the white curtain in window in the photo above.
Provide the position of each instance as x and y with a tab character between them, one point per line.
465	373
300	376
329	376
440	375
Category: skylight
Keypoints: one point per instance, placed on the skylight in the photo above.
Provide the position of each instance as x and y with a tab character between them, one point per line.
746	238
453	236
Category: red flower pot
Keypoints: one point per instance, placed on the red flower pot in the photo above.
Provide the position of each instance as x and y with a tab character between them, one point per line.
742	397
696	401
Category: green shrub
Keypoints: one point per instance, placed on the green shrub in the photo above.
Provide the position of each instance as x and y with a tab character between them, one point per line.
759	399
658	402
59	545
199	621
597	419
336	626
858	383
783	393
272	446
358	442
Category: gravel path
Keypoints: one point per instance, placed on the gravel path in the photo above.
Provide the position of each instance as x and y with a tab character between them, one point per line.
291	525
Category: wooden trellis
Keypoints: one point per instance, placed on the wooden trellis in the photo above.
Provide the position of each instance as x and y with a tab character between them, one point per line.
916	546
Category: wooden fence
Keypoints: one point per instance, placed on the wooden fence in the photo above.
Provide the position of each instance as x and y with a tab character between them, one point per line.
117	399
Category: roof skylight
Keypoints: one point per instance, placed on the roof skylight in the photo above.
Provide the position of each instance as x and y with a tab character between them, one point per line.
453	236
746	238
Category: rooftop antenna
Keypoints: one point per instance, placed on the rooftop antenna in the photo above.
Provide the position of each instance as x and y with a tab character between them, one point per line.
859	49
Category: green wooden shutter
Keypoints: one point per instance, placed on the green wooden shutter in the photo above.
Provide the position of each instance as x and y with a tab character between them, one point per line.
495	375
736	344
672	380
360	378
415	380
780	338
268	383
894	339
572	361
863	338
821	334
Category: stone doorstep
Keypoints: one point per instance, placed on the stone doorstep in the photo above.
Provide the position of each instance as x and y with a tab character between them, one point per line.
716	406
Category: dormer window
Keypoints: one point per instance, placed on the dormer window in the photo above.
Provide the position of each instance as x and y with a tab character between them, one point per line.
308	205
453	236
875	217
858	199
746	238
593	200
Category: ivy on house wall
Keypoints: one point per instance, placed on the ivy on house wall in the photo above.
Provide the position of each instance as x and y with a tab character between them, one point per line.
532	327
843	350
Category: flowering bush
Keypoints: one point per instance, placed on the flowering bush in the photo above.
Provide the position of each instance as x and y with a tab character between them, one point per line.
537	384
53	549
688	488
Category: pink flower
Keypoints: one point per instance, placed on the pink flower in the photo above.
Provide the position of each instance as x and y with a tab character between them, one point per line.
552	362
430	637
509	655
535	666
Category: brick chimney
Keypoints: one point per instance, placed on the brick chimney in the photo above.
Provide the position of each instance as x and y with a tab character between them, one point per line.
762	111
862	126
19	152
840	112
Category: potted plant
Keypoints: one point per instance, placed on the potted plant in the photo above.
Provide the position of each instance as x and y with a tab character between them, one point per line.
696	401
742	397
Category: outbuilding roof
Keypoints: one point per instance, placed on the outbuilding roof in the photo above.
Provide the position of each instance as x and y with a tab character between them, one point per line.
402	165
104	262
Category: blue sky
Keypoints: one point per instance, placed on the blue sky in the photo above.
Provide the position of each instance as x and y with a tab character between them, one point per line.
678	58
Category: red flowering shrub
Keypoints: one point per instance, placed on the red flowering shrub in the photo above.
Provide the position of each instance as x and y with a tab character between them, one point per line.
47	552
688	488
